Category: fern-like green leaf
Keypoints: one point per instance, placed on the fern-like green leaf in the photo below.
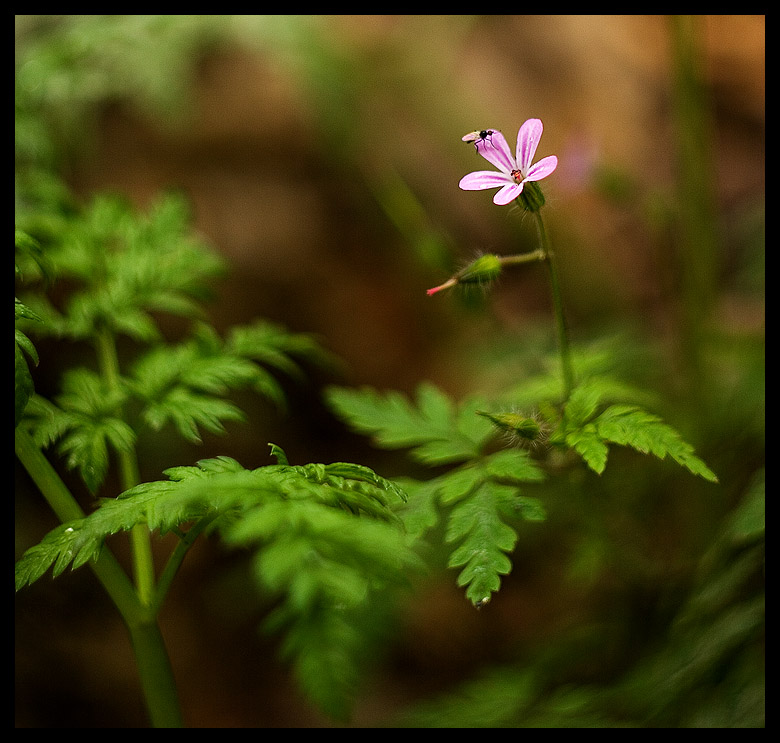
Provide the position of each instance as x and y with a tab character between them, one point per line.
324	539
486	495
433	427
325	564
631	426
273	345
189	411
83	423
218	485
419	513
184	384
589	434
588	428
23	383
587	442
126	266
485	539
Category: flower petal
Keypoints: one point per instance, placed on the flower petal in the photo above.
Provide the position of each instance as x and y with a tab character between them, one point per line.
542	169
508	193
496	151
527	141
482	179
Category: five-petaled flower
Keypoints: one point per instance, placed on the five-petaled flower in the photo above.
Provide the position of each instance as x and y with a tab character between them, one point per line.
514	172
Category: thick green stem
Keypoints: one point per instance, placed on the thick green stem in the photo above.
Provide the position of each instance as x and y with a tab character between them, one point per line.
64	505
153	664
154	669
557	298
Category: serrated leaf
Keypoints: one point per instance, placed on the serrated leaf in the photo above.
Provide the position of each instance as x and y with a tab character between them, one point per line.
219	484
485	539
582	404
204	468
23	312
184	384
647	433
126	266
83	423
323	561
514	465
189	411
486	494
480	513
530	509
590	446
429	426
459	483
275	346
419	513
23	384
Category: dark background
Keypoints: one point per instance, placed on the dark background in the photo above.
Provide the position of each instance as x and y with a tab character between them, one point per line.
322	155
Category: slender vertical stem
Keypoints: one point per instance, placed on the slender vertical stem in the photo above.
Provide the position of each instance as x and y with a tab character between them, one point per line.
697	226
560	319
154	667
176	559
143	563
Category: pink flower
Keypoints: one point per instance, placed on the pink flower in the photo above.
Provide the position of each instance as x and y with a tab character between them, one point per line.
513	173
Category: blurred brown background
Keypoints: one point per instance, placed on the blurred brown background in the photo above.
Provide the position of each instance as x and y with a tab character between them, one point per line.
322	156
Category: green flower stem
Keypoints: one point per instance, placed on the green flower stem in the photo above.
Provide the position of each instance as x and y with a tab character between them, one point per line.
140	538
510	260
560	319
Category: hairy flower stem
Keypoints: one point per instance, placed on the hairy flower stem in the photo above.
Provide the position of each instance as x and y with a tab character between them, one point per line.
560	319
513	260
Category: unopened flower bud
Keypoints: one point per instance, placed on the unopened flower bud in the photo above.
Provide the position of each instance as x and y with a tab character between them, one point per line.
482	271
516	425
531	197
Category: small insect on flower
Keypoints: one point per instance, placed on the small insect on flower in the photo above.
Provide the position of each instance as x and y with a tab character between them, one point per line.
484	135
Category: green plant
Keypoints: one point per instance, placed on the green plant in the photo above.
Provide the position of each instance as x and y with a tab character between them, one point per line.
334	548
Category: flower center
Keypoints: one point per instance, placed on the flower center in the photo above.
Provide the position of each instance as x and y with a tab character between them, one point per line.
517	175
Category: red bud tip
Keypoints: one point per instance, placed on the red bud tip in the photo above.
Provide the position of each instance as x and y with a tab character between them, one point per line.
446	285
